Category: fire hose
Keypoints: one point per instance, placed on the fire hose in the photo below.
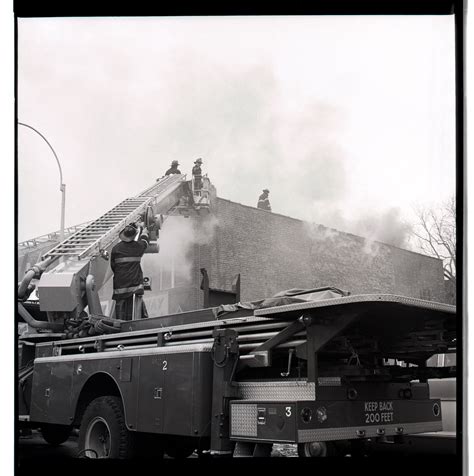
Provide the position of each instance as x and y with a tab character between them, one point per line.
35	272
91	326
54	326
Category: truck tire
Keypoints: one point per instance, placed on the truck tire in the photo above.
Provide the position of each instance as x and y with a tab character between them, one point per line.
179	450
316	449
103	432
148	446
55	434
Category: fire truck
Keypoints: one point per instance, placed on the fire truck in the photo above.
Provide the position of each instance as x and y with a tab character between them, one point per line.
321	368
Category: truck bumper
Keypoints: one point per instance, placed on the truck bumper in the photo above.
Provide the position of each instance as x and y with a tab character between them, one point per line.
307	421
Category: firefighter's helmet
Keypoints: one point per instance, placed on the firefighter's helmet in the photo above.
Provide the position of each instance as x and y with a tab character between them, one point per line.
174	162
129	232
266	190
198	161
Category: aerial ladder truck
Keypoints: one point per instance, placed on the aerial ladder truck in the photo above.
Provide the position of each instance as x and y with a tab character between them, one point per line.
319	368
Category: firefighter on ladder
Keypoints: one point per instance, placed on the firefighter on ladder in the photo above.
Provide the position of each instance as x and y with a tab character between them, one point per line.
173	169
125	259
263	201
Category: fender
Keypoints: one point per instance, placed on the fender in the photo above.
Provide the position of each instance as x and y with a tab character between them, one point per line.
61	387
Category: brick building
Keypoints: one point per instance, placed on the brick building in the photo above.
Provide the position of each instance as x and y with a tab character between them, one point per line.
271	253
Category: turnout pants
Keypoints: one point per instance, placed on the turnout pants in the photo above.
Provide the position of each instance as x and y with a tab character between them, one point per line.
131	308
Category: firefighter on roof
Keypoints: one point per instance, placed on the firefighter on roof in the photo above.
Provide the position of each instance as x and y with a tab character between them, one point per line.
197	175
263	201
174	168
125	261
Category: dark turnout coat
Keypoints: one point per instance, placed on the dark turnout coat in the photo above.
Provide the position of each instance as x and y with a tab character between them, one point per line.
172	170
264	202
125	261
197	171
197	174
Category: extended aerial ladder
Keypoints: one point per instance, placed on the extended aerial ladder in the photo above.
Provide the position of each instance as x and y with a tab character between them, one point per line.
72	285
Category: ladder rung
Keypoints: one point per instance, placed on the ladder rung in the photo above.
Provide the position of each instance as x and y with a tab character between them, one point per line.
78	242
114	216
66	245
122	210
60	254
91	234
99	227
108	220
126	206
70	250
130	209
106	223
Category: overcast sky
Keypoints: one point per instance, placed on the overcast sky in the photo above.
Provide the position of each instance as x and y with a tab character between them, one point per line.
348	120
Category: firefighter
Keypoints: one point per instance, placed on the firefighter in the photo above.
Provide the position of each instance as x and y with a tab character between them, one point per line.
174	168
263	201
197	175
125	261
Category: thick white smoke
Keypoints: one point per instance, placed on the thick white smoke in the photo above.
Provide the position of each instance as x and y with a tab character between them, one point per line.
177	237
374	227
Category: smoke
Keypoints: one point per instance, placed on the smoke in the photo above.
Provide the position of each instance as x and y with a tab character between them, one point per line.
386	227
375	228
151	104
251	136
204	230
174	261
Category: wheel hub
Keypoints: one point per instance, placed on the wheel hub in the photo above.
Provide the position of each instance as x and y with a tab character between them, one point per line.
98	438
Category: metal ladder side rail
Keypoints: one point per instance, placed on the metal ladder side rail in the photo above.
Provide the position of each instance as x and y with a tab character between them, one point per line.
168	180
83	239
62	253
106	225
105	240
97	227
88	244
72	231
161	182
91	243
79	235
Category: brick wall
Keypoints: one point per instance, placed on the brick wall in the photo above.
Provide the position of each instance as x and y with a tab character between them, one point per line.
274	252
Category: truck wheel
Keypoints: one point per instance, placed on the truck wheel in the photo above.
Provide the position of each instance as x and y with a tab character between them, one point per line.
316	449
148	446
179	451
55	434
103	432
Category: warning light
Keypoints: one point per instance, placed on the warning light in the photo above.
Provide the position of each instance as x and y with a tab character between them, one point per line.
147	283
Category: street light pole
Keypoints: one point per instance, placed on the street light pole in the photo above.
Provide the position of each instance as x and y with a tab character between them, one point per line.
62	186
